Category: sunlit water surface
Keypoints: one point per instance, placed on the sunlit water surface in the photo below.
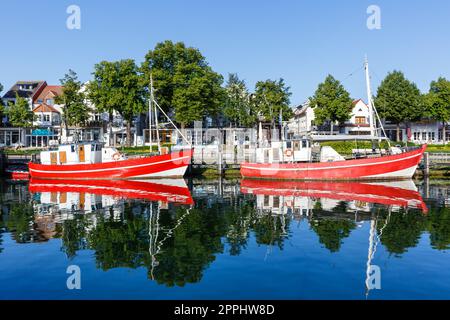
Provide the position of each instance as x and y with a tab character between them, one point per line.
225	240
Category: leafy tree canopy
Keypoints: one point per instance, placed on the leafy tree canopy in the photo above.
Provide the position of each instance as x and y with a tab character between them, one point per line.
272	96
398	99
183	81
238	107
437	101
117	86
331	102
76	112
19	113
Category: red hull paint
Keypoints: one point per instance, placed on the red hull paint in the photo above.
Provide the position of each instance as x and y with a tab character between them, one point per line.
386	167
127	189
344	191
154	166
20	175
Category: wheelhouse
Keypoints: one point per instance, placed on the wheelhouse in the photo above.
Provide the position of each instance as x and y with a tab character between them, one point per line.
79	153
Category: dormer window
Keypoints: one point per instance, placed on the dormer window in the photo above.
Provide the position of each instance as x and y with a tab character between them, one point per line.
49	102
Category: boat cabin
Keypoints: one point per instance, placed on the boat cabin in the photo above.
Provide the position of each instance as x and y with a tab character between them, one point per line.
80	153
296	150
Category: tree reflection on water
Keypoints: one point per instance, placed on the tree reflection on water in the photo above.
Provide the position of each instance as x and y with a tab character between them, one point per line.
176	244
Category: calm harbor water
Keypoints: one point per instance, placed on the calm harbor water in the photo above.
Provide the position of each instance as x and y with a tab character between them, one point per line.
225	240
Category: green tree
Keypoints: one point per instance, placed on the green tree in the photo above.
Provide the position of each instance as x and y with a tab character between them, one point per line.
331	102
402	231
183	81
398	100
332	231
19	113
75	110
117	86
238	107
439	227
271	97
437	102
20	222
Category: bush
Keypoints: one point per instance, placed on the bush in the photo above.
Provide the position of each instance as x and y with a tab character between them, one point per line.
346	147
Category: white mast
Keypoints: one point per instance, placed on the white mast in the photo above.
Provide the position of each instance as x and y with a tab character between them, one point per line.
150	107
369	99
156	114
370	254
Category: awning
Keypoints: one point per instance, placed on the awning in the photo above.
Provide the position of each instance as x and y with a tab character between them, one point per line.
42	132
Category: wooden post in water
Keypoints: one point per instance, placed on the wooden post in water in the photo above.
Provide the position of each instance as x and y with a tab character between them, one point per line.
219	154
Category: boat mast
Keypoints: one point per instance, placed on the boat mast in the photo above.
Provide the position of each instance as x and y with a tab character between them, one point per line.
370	254
372	109
150	107
369	99
156	115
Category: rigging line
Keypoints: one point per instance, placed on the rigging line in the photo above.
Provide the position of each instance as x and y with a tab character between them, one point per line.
170	231
176	128
352	73
385	224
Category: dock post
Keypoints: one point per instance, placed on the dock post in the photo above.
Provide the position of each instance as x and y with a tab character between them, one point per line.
426	160
426	187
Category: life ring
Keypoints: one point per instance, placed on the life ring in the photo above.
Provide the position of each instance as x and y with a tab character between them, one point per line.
116	156
288	153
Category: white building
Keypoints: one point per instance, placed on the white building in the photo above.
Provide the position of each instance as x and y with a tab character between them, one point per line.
358	124
304	120
428	131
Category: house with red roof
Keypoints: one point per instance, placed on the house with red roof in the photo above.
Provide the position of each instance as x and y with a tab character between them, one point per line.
47	96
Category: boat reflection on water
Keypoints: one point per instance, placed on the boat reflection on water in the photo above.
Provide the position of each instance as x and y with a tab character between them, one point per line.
316	198
302	196
88	195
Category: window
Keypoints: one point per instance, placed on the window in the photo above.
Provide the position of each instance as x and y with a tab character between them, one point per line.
46	117
49	102
39	101
424	136
360	120
431	135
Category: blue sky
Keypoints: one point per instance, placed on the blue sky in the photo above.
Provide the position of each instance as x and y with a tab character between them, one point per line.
300	41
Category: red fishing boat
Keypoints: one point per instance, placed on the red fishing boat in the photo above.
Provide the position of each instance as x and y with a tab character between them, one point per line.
402	193
165	190
304	158
396	166
92	161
